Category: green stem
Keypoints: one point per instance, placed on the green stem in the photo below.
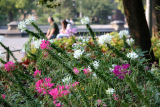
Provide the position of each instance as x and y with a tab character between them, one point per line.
137	91
5	103
9	51
2	61
59	59
33	34
39	30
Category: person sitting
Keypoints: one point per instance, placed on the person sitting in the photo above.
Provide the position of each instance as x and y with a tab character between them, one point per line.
63	31
66	30
53	30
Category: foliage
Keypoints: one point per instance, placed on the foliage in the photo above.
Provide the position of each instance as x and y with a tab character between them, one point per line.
156	46
98	10
12	9
50	3
53	75
120	4
60	9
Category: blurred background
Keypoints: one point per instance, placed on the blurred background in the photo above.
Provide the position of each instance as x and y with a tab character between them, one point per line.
99	11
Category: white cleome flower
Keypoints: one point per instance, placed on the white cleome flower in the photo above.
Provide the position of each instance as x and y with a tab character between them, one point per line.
51	41
83	39
132	55
89	68
30	20
1	37
85	20
22	26
110	91
130	41
94	75
112	68
124	33
67	79
37	43
104	39
158	44
96	64
23	50
75	46
78	53
33	38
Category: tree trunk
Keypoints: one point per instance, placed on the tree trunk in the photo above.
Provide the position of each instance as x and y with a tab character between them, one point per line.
154	20
157	13
10	16
138	27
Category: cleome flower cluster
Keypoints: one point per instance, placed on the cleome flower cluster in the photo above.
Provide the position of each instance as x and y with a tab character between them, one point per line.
9	66
86	71
77	72
85	20
44	44
46	87
23	24
121	70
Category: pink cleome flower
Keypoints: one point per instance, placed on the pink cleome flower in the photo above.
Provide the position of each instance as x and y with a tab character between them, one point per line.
75	84
67	87
61	91
121	71
99	102
44	85
3	96
115	97
86	71
76	71
57	103
58	92
9	66
45	44
36	73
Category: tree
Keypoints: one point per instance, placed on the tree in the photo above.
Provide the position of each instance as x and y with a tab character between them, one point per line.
66	9
11	9
120	5
60	9
25	7
157	13
97	9
50	3
138	27
7	8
